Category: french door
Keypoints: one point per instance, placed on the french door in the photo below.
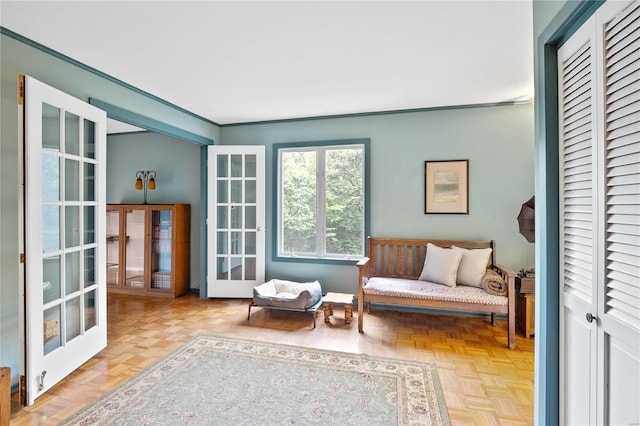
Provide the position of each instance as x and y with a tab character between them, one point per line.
235	220
64	320
599	93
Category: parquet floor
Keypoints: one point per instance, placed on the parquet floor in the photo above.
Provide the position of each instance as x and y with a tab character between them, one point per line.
484	382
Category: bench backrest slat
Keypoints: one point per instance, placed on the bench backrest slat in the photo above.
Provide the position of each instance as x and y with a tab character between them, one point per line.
404	258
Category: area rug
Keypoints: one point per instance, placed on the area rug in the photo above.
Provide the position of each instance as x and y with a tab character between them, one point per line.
213	380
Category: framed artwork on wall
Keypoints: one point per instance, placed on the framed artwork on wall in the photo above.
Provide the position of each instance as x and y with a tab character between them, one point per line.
446	187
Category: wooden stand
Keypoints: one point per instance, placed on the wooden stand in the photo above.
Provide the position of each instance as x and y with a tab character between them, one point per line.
338	299
525	311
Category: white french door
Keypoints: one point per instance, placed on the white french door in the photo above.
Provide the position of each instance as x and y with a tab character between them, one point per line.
64	319
235	220
599	121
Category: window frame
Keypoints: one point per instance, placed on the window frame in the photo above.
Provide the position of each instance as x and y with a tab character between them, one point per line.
278	149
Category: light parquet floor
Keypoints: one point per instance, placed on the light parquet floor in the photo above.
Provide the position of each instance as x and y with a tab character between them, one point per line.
484	383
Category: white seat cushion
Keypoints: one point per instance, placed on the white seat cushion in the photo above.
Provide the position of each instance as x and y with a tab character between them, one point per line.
417	289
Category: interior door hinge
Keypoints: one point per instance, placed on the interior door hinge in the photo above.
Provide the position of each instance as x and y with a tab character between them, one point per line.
21	90
21	257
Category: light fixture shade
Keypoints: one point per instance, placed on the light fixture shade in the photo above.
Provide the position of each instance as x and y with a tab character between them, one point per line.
152	184
526	220
138	184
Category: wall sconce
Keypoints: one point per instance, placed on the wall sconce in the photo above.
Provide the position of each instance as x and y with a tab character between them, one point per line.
145	180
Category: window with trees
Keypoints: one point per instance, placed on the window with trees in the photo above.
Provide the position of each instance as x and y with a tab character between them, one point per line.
321	200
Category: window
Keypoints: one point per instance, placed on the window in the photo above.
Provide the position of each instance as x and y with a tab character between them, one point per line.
321	200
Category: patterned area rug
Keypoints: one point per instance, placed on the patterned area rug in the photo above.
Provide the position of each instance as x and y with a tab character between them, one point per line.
219	380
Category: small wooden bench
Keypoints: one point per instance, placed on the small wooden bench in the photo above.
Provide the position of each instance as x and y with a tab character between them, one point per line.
403	259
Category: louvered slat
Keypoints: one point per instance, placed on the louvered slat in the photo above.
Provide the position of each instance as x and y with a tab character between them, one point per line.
623	282
622	165
624	151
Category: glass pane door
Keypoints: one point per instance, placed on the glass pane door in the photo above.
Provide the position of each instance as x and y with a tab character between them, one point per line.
161	256
134	249
64	227
68	231
236	224
113	247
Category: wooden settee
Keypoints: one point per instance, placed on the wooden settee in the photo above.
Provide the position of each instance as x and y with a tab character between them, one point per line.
403	259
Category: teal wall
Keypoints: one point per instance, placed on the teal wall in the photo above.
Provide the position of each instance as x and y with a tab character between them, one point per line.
20	57
553	22
178	178
497	141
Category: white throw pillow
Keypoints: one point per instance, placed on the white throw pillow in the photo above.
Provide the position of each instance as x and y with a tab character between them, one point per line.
441	265
473	266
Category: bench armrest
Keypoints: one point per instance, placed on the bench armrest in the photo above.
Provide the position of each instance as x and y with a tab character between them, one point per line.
363	271
362	262
363	275
509	277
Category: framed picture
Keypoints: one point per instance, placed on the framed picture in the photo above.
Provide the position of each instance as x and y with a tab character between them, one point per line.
446	185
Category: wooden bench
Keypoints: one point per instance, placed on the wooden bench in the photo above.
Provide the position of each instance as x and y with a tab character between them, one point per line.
403	259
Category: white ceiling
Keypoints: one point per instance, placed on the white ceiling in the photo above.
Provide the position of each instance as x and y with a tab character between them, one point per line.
244	61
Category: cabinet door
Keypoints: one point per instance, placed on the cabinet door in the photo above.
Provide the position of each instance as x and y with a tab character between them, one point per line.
134	248
113	247
161	249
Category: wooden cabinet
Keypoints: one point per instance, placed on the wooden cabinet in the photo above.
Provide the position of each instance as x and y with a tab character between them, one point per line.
148	249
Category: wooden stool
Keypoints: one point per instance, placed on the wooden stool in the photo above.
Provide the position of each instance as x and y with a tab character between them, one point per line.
338	299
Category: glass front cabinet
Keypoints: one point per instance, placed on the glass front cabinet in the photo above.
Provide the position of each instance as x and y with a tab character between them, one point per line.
148	249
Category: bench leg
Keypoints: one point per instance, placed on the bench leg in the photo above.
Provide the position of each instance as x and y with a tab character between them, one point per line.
493	319
249	314
511	338
360	313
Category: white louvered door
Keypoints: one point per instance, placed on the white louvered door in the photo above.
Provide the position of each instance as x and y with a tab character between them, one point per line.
578	241
600	314
619	304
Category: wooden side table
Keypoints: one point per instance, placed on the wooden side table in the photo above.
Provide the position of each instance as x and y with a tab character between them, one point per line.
525	311
332	300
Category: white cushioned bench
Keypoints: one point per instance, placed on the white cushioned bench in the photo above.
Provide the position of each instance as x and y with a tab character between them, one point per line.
397	272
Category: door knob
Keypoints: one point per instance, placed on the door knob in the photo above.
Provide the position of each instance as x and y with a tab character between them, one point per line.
591	318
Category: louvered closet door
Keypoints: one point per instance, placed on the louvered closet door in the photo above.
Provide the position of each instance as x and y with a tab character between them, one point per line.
578	240
599	92
619	305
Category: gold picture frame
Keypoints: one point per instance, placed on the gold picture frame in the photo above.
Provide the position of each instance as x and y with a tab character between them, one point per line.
446	186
